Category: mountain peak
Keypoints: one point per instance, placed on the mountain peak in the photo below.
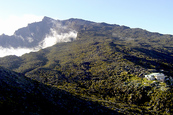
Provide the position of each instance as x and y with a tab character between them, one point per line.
45	18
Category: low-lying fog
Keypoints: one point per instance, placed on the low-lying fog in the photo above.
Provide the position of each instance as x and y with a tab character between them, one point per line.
50	40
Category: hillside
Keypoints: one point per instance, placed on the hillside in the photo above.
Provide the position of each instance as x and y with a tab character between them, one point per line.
105	64
22	95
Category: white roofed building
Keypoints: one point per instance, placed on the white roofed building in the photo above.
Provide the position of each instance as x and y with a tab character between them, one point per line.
156	76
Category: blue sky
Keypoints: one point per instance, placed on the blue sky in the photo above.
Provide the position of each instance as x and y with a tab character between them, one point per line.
152	15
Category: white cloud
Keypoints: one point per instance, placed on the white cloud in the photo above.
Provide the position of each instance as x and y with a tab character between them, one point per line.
50	40
12	23
15	51
54	37
57	34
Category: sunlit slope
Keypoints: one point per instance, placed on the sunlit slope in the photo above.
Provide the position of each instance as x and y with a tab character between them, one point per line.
104	43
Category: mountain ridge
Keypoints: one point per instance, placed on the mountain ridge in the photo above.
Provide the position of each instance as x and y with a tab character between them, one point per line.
31	35
25	37
105	64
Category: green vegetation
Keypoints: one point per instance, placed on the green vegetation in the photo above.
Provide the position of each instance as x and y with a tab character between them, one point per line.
21	95
106	65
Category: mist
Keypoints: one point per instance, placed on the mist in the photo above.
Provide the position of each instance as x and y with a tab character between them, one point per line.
51	39
15	51
56	37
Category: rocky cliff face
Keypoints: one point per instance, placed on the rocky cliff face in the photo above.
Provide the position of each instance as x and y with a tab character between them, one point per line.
35	33
37	36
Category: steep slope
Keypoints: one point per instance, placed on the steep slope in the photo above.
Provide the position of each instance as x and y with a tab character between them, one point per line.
29	36
105	64
100	41
22	95
34	34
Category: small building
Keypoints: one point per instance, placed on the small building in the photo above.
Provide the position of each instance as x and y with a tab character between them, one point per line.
156	76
